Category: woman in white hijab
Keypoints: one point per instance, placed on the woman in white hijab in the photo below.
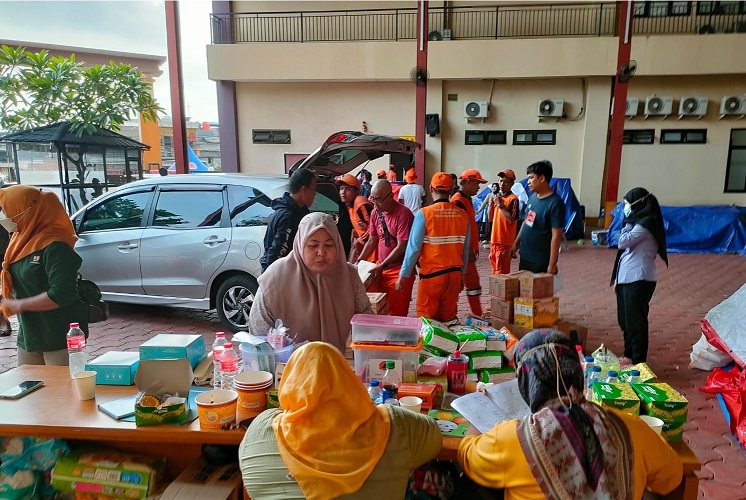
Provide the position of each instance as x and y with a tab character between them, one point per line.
314	291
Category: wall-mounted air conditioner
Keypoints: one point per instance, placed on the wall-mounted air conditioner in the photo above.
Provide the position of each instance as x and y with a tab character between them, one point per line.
693	106
658	106
438	35
633	104
551	108
476	109
733	105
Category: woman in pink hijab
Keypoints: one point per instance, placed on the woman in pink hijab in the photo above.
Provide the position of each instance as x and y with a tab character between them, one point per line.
314	291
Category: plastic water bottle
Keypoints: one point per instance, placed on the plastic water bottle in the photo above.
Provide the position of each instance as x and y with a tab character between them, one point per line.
228	366
375	392
587	368
217	350
595	377
76	349
613	377
581	356
634	377
390	381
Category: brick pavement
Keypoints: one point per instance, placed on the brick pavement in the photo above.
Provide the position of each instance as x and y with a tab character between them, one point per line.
686	291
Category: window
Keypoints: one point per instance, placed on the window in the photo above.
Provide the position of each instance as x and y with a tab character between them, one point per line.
167	141
270	136
486	137
735	176
662	9
534	137
248	207
642	136
684	136
704	8
122	212
188	209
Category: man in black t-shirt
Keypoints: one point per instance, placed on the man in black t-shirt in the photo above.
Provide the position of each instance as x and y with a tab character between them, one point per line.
541	232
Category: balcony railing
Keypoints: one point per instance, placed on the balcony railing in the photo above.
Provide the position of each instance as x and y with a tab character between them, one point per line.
476	22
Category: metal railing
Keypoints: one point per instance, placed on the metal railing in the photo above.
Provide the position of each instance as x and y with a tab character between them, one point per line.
474	22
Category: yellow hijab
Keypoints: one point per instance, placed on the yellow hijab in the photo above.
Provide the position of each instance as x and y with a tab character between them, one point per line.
41	220
330	434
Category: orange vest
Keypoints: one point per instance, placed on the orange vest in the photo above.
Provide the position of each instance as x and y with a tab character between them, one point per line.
360	216
392	175
503	232
445	236
464	202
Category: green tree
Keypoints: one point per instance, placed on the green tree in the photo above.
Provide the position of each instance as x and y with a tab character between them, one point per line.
37	89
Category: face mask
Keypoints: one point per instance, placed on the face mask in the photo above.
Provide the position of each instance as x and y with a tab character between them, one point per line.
627	210
9	224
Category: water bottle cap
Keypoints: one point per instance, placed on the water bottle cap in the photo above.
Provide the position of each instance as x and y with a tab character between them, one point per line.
456	354
373	382
589	359
579	348
228	345
596	368
634	373
220	334
390	365
612	373
74	325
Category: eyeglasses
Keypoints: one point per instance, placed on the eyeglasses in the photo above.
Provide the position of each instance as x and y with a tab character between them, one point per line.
377	201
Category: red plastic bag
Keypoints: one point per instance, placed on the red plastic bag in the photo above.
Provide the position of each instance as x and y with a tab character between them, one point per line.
731	384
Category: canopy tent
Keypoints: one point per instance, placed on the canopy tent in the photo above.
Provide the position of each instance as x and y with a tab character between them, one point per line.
195	164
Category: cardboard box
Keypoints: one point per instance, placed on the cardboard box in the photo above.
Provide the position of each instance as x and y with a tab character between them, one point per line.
505	286
577	333
378	302
536	313
174	346
363	270
115	367
427	392
202	480
618	396
163	376
662	401
600	237
108	472
537	286
501	309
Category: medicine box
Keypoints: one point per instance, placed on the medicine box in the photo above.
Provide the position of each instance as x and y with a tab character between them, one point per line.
537	286
427	392
505	286
370	360
115	368
391	330
174	346
536	313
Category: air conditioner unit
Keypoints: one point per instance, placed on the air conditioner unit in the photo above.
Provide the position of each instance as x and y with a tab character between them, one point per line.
658	106
633	103
476	109
438	35
553	108
693	106
733	105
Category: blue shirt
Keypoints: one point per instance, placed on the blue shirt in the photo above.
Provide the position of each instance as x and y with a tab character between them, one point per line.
637	263
414	246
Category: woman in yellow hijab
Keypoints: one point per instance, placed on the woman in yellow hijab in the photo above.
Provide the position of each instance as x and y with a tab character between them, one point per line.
39	274
330	440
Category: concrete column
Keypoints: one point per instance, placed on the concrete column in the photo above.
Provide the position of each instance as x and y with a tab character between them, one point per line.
593	153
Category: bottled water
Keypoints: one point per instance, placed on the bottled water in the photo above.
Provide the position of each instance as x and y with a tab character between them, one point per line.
76	349
594	377
634	377
587	368
228	366
612	378
375	392
217	350
390	381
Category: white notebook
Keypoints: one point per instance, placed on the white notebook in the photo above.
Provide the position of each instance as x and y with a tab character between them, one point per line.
502	402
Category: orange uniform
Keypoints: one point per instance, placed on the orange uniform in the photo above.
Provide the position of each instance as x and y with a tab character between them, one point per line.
360	217
392	175
503	234
471	278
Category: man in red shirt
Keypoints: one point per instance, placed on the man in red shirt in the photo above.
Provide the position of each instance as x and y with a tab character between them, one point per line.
390	224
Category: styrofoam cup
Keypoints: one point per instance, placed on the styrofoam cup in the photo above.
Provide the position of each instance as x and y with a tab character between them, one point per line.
654	422
412	403
85	384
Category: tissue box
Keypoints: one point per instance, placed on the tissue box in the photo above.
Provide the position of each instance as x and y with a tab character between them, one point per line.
485	359
163	376
537	286
536	313
174	346
115	368
662	401
618	396
505	286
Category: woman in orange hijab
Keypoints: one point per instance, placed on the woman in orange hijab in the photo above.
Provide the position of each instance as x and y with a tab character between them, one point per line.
39	274
330	440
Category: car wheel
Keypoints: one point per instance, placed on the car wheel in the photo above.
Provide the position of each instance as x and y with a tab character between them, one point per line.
234	300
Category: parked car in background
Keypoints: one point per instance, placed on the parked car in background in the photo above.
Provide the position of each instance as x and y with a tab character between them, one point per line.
194	241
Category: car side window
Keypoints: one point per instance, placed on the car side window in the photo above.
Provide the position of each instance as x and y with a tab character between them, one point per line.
188	209
121	212
248	206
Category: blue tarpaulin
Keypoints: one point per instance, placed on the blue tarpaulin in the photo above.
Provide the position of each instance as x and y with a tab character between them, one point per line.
696	229
574	224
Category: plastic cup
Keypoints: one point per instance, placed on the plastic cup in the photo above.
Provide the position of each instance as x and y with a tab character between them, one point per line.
411	403
654	422
216	408
85	385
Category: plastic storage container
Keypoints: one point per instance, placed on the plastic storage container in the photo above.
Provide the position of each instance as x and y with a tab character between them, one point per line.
259	358
370	360
379	329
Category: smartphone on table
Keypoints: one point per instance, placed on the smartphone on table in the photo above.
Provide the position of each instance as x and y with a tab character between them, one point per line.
21	389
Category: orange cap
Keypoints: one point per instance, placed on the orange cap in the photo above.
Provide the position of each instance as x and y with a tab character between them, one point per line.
348	179
381	174
442	182
472	175
507	173
410	176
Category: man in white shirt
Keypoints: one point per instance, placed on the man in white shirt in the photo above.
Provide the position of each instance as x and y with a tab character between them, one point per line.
412	195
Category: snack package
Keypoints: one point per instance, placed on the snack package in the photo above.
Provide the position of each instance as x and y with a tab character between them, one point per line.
437	335
496	340
511	341
471	339
433	366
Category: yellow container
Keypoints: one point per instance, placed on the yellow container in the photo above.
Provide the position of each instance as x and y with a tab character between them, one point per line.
216	408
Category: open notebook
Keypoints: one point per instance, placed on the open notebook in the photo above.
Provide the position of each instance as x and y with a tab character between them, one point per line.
501	402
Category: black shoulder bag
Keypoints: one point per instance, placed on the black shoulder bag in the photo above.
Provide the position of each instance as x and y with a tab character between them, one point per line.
98	310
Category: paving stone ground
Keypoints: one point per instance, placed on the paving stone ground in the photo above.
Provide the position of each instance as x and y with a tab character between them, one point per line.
686	291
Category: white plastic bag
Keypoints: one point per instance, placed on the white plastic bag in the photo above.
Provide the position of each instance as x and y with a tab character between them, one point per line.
706	357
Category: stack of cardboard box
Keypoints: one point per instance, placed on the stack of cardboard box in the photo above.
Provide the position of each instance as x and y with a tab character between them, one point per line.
378	302
524	299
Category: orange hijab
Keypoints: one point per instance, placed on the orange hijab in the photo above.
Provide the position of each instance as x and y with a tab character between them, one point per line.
41	220
330	434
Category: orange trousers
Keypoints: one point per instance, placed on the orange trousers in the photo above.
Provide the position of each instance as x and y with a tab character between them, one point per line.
473	288
500	258
397	302
437	297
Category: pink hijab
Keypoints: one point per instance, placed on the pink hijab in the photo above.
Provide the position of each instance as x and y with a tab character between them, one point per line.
315	306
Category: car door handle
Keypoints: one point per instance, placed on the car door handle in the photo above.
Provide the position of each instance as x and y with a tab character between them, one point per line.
213	240
127	246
